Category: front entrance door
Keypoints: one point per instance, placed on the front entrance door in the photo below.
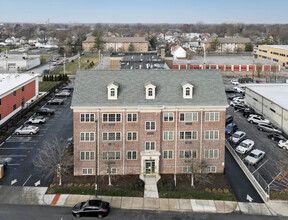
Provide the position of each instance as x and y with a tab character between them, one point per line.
149	166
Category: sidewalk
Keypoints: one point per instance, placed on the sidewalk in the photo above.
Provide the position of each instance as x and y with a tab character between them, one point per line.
183	205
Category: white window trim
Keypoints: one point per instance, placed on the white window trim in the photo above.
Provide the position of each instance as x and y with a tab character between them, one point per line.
213	153
187	167
132	154
87	171
191	135
214	116
115	136
132	135
209	167
209	135
150	145
168	136
115	118
150	125
85	137
191	91
85	118
132	117
108	155
168	116
185	117
168	155
150	86
191	154
112	168
85	155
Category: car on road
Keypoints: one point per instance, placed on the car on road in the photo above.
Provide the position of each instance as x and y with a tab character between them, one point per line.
245	146
27	130
283	144
234	82
55	102
36	119
254	157
267	128
231	128
228	119
237	137
231	97
45	111
63	93
96	208
257	119
276	137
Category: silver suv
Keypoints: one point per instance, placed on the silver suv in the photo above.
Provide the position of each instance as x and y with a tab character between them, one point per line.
267	127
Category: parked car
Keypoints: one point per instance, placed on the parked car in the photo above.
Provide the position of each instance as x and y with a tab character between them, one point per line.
228	90
228	119
267	128
45	111
245	80
68	87
245	146
234	96
248	111
257	119
26	130
36	120
4	163
234	82
237	137
97	208
233	103
240	107
241	90
46	71
259	81
276	137
283	144
63	93
239	99
254	157
55	102
231	128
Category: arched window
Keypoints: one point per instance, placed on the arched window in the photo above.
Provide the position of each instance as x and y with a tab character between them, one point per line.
112	92
187	91
150	92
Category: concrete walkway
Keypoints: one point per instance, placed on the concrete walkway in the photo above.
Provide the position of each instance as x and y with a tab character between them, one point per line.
150	190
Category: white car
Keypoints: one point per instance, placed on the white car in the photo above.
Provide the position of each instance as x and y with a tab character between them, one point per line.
240	90
238	136
254	157
36	120
257	119
283	144
63	93
26	130
245	146
239	99
234	82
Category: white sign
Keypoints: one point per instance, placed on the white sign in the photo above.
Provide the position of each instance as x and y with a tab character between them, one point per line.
37	183
13	181
249	198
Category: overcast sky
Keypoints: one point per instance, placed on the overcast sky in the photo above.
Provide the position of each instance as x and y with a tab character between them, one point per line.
147	11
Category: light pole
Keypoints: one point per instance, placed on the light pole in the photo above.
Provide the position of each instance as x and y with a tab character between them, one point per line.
96	158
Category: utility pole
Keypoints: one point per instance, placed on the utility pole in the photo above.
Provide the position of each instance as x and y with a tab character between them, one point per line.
79	61
96	158
64	63
6	58
99	54
253	66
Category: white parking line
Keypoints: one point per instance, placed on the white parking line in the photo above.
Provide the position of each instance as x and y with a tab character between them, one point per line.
27	180
13	164
2	144
13	155
260	166
8	138
16	148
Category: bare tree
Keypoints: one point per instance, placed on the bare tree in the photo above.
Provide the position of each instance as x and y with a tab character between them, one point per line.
196	168
109	171
258	69
282	165
53	159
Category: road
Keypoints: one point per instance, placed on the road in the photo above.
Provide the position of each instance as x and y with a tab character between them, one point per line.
16	212
20	150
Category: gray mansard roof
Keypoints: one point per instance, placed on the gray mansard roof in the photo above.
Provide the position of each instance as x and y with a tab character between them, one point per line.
91	88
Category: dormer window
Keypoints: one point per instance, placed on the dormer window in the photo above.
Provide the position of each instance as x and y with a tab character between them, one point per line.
187	90
112	90
150	90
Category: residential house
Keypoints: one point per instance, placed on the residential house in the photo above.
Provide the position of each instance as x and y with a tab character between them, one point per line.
227	44
178	52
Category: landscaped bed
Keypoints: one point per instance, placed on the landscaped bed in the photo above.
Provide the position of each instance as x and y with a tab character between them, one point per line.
214	187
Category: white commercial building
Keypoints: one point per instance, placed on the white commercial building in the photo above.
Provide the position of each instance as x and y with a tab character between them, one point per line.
18	63
270	100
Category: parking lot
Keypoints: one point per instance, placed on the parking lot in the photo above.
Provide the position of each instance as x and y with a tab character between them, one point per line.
20	150
266	169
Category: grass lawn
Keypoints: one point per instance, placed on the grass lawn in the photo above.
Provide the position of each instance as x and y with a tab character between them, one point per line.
46	85
45	58
4	49
71	68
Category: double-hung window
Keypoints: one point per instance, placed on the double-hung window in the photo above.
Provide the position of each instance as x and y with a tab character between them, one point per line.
131	136
150	145
189	116
111	117
168	116
212	135
150	125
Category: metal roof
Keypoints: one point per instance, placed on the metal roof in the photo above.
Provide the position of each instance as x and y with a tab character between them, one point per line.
282	47
91	88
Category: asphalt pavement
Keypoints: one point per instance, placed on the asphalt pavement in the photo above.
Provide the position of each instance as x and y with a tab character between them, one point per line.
20	150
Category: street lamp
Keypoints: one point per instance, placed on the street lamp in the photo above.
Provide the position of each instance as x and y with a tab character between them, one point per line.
96	158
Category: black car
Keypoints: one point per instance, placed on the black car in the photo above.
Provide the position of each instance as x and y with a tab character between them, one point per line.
228	90
55	102
248	111
96	208
45	111
228	119
235	95
276	136
240	107
245	80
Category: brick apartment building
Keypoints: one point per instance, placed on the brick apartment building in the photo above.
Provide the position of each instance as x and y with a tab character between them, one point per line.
15	91
117	44
228	44
148	121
